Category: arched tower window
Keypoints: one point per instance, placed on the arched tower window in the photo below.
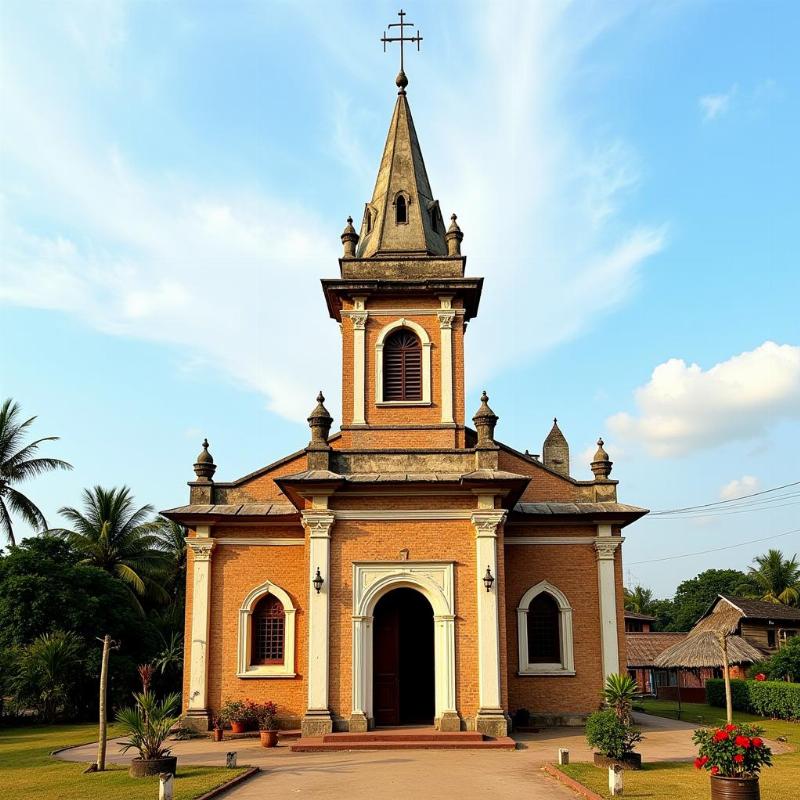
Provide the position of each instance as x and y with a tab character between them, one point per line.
544	646
401	210
269	625
402	366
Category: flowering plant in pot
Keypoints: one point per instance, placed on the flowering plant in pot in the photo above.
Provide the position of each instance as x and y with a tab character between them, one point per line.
266	717
238	714
218	726
734	756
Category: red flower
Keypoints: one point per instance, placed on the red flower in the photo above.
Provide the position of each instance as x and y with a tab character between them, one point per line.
757	742
698	763
714	769
742	741
761	676
703	760
738	758
730	728
721	736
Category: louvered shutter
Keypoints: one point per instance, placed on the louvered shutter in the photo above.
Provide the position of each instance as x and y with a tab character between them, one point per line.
402	367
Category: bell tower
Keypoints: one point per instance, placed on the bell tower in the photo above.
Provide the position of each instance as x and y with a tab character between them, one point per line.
403	302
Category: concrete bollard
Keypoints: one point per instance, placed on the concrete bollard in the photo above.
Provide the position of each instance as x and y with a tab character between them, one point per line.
563	755
615	780
166	786
230	760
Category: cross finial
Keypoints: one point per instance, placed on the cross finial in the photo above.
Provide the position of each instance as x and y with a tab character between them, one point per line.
402	80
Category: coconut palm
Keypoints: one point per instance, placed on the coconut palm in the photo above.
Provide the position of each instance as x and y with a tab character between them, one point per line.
171	540
639	600
776	579
112	534
18	464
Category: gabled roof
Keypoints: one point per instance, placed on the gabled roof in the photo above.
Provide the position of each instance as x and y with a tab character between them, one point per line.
755	609
642	617
643	648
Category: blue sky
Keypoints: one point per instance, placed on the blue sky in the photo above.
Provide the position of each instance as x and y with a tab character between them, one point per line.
175	177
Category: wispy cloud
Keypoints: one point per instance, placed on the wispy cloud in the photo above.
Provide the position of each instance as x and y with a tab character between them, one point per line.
684	408
739	487
713	106
230	274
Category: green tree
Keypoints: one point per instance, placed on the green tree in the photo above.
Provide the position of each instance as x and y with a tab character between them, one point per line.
110	533
694	596
775	579
171	540
785	664
639	600
18	463
664	612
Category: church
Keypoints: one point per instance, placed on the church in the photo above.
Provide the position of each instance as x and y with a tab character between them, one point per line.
407	569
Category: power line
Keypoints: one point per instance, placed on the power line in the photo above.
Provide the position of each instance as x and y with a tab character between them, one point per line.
724	502
716	549
727	512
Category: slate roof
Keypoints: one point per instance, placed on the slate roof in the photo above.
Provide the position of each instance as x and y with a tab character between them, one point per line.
579	508
644	648
232	510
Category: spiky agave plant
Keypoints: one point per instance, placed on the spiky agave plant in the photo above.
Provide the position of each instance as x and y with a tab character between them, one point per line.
619	693
148	723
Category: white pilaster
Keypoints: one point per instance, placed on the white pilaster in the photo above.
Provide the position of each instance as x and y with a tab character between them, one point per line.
606	547
490	719
318	719
359	319
201	548
446	325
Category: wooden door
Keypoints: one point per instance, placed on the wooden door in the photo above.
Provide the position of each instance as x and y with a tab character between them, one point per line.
386	662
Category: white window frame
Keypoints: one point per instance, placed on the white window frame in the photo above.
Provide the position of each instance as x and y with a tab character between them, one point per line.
244	668
425	341
566	666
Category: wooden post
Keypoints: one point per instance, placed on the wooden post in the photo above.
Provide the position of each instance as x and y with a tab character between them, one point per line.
678	684
101	739
727	677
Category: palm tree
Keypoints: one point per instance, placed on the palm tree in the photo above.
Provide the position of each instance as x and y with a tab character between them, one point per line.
17	464
639	600
171	540
111	534
776	579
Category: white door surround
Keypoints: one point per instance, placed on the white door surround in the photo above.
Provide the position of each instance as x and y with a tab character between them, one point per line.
433	579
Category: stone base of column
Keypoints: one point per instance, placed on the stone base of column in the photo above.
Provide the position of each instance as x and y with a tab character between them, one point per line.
316	722
358	723
491	722
197	720
448	722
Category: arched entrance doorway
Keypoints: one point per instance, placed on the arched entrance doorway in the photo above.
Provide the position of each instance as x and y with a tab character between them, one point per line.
403	659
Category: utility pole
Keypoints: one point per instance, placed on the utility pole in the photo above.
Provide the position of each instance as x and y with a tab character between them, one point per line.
102	737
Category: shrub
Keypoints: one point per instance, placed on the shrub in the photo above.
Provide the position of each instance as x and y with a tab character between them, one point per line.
766	698
618	693
237	711
732	751
265	715
148	724
613	738
785	664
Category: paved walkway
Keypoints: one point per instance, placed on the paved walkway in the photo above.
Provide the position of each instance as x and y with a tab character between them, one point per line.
419	774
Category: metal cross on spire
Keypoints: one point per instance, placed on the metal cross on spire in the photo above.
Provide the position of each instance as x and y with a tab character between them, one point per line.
402	80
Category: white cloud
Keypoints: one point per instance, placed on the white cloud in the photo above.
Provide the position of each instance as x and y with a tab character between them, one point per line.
739	487
231	276
716	105
684	408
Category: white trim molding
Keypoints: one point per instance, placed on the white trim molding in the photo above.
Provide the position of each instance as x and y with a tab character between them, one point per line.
359	319
244	668
425	341
435	580
446	319
202	547
606	546
567	664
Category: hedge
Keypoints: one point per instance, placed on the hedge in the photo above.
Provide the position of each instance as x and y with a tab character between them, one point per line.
776	699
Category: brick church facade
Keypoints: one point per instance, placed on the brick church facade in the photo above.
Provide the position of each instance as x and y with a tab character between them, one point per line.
408	568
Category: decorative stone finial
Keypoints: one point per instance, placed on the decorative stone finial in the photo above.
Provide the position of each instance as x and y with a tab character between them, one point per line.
555	450
402	81
601	464
454	237
320	423
204	467
349	239
485	420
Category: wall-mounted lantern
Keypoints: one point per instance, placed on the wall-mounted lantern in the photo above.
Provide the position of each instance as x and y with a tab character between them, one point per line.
318	581
488	579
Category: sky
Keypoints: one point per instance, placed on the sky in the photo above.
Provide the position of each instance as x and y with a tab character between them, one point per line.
174	178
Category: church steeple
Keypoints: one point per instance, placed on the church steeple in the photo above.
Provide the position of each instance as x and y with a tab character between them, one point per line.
402	216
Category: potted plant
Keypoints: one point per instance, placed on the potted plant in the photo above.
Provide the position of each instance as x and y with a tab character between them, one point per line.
147	726
619	694
613	739
265	714
218	726
237	713
733	755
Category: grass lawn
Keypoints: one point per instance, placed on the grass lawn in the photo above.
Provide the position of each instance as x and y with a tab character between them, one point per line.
668	780
28	770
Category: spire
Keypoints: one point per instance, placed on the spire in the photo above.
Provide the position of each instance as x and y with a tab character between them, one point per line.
402	216
555	450
349	239
601	463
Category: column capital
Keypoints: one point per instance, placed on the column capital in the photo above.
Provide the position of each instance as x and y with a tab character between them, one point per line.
318	523
359	319
201	548
487	522
446	319
605	548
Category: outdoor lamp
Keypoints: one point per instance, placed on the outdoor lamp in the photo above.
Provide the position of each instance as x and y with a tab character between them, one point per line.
318	581
488	579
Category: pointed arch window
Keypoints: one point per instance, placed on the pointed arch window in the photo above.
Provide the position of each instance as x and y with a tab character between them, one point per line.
544	630
402	366
401	210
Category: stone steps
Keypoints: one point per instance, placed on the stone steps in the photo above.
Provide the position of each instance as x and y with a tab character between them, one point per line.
412	739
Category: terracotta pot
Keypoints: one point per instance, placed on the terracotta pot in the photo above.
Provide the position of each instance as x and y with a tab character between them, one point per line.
238	727
630	761
141	768
268	738
218	734
734	788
